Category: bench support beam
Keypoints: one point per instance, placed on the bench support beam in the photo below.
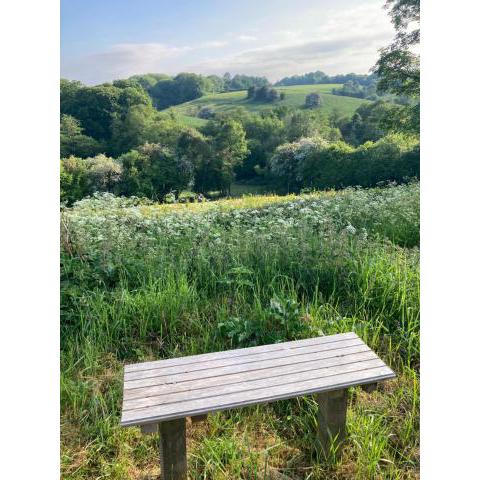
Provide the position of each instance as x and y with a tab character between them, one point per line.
332	416
173	450
369	387
199	418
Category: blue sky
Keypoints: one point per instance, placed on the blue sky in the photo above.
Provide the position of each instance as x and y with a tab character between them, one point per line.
107	39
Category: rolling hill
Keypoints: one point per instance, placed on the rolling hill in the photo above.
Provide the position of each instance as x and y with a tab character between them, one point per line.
294	97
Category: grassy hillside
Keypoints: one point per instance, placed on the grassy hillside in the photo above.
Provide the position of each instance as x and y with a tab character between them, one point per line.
295	97
143	282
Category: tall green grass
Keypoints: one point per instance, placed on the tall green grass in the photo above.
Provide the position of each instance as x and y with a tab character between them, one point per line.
138	284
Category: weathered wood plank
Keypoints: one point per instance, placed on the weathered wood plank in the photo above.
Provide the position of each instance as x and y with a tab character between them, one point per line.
242	367
239	352
252	397
291	353
189	385
335	366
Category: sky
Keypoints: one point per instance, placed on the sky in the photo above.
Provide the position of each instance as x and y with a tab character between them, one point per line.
104	40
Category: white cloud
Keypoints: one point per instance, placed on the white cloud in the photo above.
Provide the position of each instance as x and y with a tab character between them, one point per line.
335	42
212	44
246	38
341	55
124	60
345	42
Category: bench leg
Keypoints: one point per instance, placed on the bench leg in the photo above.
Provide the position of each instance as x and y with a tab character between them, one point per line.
332	416
173	450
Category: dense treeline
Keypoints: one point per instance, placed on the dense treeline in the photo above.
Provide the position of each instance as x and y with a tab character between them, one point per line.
113	138
166	91
265	148
319	77
190	160
319	164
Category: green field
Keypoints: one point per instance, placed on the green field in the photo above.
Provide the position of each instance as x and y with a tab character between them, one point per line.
295	97
142	281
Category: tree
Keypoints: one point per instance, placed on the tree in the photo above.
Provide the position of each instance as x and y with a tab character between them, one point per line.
262	94
152	171
313	100
285	164
182	88
398	67
206	113
194	148
131	129
309	123
103	173
371	121
264	133
72	140
98	107
73	179
229	148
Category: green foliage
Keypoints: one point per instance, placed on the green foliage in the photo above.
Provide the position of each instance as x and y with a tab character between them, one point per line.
80	177
228	149
72	140
294	99
317	163
398	67
313	100
262	94
309	123
179	89
97	108
374	120
353	88
73	179
316	78
152	171
143	282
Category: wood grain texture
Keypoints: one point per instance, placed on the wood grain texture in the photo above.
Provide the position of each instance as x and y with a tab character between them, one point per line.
196	385
173	450
332	417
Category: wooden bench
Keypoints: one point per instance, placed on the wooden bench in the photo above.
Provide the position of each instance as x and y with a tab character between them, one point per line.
159	395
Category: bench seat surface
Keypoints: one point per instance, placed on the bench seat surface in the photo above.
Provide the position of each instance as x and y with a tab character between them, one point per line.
198	384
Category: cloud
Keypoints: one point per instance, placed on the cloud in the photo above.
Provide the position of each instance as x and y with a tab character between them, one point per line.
124	60
353	53
246	38
347	41
212	44
316	39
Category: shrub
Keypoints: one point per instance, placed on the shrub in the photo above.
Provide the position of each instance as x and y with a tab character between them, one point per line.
313	100
317	163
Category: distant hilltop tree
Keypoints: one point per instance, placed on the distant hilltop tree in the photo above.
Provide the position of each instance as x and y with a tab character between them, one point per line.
206	113
262	94
313	100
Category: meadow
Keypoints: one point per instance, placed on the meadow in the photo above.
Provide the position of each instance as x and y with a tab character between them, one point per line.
143	281
294	97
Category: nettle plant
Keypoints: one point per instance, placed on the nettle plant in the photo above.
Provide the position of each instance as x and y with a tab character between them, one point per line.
282	321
